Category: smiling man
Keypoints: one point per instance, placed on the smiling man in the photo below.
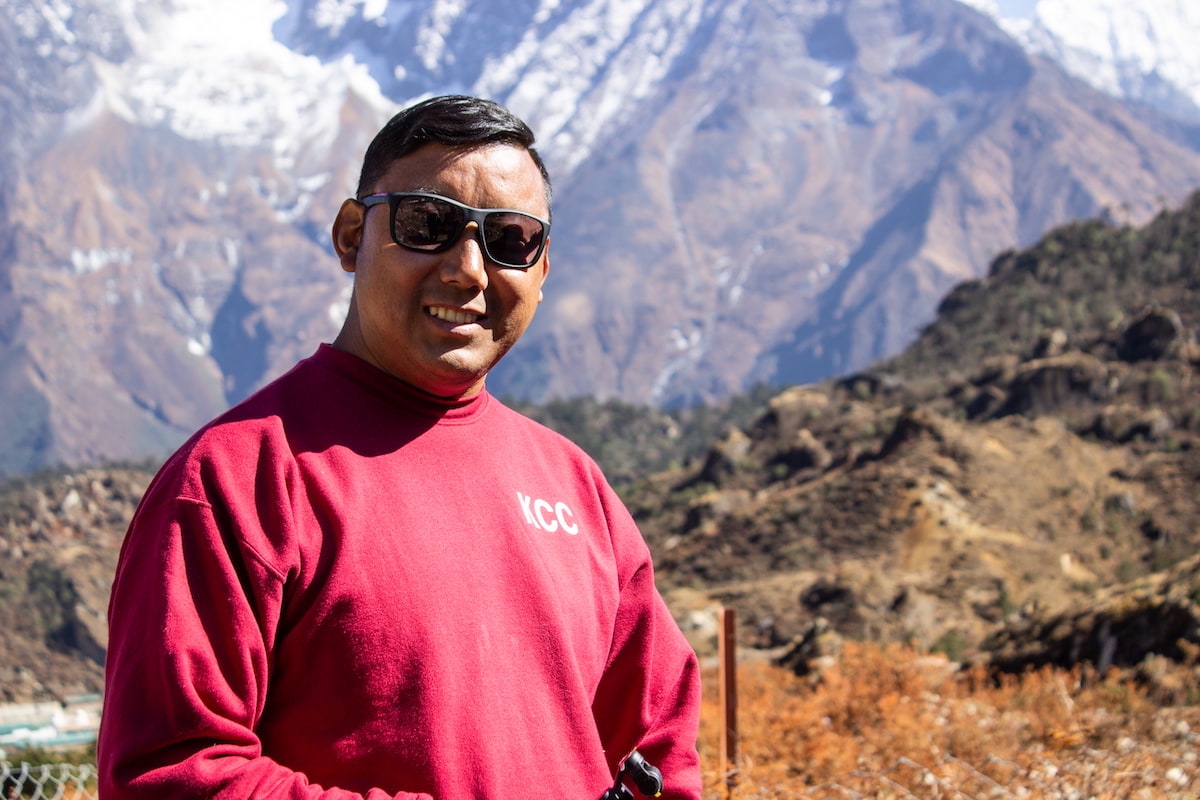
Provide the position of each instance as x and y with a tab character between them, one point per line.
427	308
372	579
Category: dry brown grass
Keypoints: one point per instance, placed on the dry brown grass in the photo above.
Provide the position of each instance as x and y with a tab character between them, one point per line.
892	722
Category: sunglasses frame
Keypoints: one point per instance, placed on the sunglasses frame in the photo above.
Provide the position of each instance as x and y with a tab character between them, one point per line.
476	215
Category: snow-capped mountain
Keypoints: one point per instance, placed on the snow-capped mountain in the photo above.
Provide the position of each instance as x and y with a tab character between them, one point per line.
269	72
1145	51
746	190
266	76
570	69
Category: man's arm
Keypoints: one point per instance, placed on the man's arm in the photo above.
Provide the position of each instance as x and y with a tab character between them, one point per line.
192	619
649	697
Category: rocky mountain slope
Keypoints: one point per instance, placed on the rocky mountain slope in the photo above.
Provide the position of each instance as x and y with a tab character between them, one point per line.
747	191
1017	486
59	537
1036	444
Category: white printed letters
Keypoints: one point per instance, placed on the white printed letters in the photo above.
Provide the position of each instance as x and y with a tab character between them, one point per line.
546	517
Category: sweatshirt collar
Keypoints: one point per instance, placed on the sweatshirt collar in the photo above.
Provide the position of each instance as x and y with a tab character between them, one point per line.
396	391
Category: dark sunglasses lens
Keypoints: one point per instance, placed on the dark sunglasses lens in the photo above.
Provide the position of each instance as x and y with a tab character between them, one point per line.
426	223
513	239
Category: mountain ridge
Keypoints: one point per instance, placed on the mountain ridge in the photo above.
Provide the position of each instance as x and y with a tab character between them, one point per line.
758	194
981	488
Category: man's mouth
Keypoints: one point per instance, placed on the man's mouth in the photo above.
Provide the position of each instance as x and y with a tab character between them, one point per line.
453	315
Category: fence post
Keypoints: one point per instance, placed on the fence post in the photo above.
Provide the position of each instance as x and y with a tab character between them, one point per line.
727	675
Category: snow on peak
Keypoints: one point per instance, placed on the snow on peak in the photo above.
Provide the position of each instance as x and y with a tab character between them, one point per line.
1143	50
625	51
570	68
1124	46
212	69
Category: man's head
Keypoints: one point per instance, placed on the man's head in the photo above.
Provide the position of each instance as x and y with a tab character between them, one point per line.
448	240
453	120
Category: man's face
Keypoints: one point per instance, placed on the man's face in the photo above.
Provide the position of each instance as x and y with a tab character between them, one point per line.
440	321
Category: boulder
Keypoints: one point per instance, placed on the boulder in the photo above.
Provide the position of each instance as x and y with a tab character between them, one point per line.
1151	335
1047	385
1159	616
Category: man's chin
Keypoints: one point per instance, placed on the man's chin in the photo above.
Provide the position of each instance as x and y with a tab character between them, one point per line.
457	377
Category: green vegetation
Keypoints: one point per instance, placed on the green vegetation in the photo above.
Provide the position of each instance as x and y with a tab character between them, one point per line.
1076	291
631	441
857	474
37	756
1084	279
953	644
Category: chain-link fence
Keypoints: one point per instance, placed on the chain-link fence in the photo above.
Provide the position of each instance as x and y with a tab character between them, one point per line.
47	781
947	778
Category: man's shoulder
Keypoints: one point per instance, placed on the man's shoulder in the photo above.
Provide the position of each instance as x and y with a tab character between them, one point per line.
249	437
513	419
522	430
226	451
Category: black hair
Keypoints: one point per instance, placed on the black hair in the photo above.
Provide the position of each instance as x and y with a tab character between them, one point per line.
454	120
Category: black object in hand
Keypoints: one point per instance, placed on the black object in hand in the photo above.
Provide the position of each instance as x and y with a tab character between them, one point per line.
644	775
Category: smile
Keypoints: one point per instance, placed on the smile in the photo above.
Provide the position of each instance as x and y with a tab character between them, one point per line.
453	315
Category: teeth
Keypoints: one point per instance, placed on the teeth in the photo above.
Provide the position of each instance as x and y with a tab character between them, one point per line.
451	315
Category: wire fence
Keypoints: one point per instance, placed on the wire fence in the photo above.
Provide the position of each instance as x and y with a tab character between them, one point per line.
906	779
47	781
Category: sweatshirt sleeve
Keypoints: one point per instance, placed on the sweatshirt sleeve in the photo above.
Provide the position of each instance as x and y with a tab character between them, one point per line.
649	696
192	616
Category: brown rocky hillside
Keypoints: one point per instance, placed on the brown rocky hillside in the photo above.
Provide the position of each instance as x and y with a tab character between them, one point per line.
59	537
1036	448
1019	486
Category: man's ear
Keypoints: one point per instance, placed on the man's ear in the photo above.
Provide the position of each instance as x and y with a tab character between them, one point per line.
347	232
545	270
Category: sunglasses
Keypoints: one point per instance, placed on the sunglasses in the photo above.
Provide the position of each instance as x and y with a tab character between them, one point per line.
430	223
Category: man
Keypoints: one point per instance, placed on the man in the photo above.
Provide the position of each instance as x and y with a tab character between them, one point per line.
373	580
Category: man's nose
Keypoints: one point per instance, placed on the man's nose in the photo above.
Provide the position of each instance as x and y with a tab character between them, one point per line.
464	264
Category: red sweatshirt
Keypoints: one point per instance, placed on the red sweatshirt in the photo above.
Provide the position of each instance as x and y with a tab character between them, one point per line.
343	588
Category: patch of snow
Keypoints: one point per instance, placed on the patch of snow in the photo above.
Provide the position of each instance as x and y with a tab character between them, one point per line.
97	258
373	10
341	307
212	70
1119	45
431	38
611	52
230	248
332	15
1142	50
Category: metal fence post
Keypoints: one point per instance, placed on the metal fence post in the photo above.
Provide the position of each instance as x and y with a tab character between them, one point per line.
727	675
